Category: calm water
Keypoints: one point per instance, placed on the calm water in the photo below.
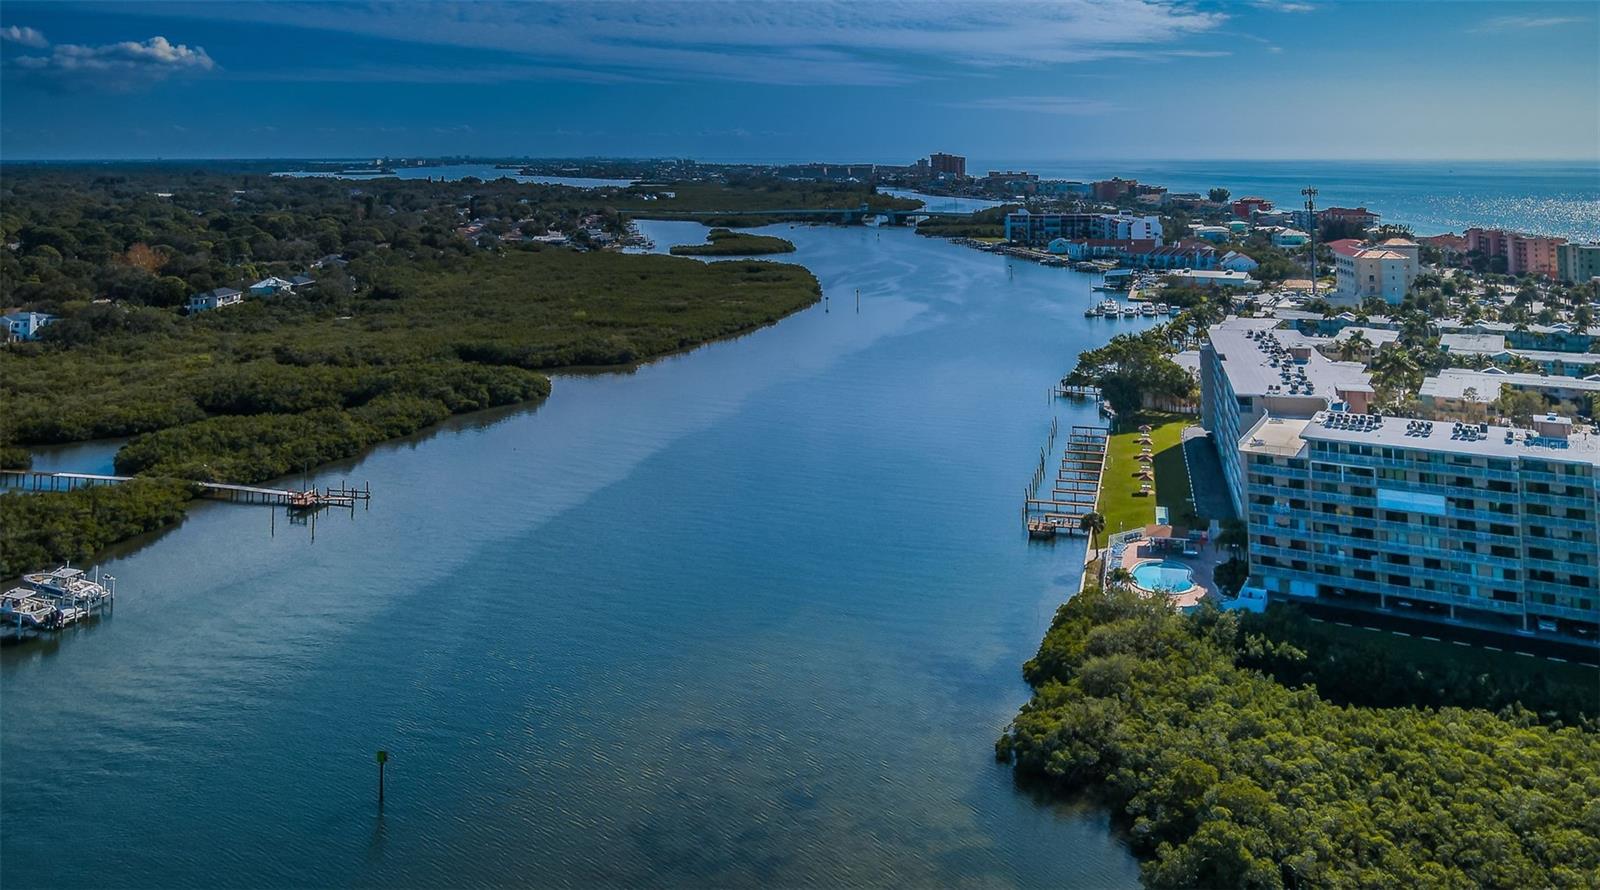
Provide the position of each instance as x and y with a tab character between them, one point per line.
487	172
1556	198
750	615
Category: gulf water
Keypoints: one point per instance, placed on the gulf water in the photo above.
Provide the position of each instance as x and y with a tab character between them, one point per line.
750	615
1541	197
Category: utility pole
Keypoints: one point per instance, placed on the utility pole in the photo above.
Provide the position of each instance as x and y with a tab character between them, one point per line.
1311	219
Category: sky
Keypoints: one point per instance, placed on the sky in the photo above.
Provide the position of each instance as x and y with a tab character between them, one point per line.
802	81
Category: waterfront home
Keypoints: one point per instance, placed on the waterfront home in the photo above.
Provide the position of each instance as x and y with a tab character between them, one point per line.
26	325
215	299
1186	254
1289	238
271	287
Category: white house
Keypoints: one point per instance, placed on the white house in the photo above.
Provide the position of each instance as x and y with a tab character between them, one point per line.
1289	238
215	299
1212	233
26	325
1234	261
1216	277
271	287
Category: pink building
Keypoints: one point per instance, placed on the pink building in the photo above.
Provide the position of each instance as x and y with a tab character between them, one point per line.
1524	254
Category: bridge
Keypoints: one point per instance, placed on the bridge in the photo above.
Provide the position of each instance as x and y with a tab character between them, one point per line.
846	215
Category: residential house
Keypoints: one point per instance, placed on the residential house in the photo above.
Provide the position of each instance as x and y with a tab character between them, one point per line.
215	299
1289	238
271	287
26	325
1234	261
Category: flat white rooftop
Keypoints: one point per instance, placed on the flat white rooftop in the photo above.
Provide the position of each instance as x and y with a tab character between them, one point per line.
1448	437
1256	359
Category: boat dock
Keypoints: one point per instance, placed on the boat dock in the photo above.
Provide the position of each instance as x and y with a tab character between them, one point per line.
55	600
1075	491
344	495
1063	390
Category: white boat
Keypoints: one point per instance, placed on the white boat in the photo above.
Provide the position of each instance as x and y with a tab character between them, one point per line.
1130	310
1161	308
1147	309
1109	309
1092	312
22	607
71	589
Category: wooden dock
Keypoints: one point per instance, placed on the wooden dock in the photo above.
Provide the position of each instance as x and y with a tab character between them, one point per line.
1076	489
1066	391
344	495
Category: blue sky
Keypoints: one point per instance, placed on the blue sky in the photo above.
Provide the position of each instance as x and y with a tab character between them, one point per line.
882	81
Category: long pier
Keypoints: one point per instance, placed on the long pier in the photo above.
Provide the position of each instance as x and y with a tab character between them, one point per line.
344	495
1075	492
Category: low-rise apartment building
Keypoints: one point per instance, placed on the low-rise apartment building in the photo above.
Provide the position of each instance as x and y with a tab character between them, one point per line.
1384	271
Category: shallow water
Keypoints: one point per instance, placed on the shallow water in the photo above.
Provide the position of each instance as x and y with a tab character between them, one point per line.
752	614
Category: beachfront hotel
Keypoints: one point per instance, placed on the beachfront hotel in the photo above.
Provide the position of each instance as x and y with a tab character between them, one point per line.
1486	525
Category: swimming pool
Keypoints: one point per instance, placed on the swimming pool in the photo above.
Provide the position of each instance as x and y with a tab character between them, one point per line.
1173	577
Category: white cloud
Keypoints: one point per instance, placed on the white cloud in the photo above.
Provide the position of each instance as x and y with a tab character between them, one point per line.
1526	22
802	43
1283	5
1040	105
23	35
116	66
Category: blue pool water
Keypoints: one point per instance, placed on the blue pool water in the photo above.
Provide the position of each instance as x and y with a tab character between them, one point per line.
1171	576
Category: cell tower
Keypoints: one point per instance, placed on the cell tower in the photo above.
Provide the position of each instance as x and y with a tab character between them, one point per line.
1311	221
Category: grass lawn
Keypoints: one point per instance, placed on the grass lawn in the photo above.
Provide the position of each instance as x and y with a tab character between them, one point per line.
1120	502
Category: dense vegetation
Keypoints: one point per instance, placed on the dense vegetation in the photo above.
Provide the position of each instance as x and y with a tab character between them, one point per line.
48	528
430	304
272	386
1351	666
726	242
1230	779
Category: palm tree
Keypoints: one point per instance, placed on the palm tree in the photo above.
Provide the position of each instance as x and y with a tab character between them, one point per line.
1094	524
1354	346
1119	578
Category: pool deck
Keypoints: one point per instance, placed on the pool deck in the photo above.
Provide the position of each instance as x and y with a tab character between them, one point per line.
1202	568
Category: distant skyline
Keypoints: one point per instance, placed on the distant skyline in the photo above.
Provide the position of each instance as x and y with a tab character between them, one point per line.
888	82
